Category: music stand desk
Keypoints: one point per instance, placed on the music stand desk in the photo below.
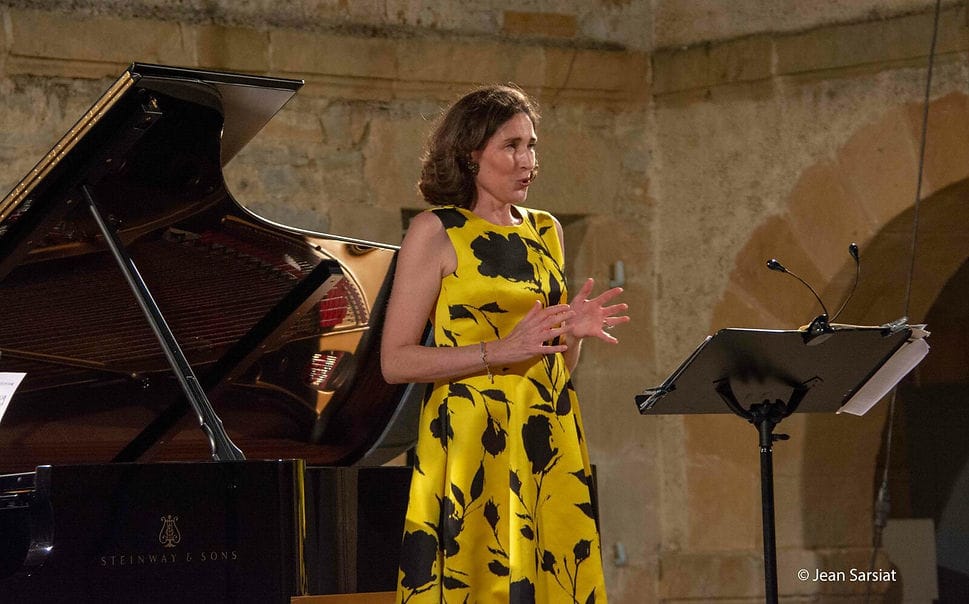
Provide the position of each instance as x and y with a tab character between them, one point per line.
766	375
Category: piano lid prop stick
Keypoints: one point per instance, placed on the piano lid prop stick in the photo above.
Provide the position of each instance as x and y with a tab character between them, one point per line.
223	449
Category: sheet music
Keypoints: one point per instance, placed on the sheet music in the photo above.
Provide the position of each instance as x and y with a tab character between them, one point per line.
9	382
895	368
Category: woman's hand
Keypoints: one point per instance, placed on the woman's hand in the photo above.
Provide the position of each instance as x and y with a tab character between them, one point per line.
530	336
592	317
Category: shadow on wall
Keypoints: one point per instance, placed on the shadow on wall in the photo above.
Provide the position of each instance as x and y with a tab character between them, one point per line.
929	474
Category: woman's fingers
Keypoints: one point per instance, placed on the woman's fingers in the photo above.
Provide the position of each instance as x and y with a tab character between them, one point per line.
607	295
558	313
586	289
539	326
553	324
615	309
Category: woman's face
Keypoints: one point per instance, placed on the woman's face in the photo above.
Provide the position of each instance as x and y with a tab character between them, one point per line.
505	164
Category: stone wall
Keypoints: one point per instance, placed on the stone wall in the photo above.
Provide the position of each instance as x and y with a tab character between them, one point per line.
692	163
699	22
792	145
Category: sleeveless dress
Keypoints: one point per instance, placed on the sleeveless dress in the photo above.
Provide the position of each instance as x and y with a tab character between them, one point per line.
500	505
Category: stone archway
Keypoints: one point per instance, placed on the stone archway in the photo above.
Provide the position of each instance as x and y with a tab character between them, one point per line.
928	475
824	475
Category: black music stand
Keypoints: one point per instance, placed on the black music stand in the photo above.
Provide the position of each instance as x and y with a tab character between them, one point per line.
764	376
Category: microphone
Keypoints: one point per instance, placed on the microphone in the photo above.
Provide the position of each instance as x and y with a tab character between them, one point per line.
853	250
820	323
774	265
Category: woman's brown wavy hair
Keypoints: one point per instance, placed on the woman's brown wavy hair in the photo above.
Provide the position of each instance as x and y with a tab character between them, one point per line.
446	178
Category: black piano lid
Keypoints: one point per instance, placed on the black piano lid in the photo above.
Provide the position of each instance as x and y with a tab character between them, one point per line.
248	102
98	145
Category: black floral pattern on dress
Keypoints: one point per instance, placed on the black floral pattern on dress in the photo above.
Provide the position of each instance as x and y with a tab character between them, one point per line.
494	438
534	533
504	257
441	427
472	313
522	592
537	437
418	555
450	526
451	218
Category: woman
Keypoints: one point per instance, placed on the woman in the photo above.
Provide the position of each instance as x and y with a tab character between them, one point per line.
500	505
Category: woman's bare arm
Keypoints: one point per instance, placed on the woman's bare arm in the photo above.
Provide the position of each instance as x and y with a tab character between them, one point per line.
425	257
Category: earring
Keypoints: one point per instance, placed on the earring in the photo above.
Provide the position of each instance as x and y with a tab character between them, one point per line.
472	166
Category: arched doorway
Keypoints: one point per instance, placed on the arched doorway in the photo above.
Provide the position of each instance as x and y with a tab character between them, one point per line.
929	474
824	476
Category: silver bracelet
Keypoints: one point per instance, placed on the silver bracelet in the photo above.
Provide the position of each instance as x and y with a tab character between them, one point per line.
484	359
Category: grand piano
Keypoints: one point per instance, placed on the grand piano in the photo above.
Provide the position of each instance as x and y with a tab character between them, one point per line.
202	416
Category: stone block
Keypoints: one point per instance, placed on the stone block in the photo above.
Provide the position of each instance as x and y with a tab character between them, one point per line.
825	218
4	39
552	25
946	153
777	294
710	576
681	69
789	562
878	166
567	73
478	62
232	48
628	509
299	122
738	307
603	71
302	52
49	36
869	43
635	582
939	256
837	476
723	491
738	577
844	560
571	181
364	221
391	163
745	60
529	68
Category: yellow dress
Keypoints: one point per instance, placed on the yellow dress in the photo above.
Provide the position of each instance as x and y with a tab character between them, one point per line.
500	503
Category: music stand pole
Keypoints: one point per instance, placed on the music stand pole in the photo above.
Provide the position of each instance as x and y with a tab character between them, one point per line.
765	417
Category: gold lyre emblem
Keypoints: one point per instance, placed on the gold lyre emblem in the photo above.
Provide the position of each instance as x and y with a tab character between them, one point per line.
169	535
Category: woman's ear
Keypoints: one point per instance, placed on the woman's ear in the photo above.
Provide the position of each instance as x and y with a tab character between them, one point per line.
475	155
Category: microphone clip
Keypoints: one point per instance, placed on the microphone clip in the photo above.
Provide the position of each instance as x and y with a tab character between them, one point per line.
818	331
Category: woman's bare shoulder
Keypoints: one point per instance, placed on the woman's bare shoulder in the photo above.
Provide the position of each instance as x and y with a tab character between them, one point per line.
426	221
428	243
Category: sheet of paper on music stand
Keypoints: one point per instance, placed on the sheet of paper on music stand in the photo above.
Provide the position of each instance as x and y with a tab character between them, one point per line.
8	385
895	368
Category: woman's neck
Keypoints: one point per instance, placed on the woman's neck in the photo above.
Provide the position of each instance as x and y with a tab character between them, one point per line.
504	214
